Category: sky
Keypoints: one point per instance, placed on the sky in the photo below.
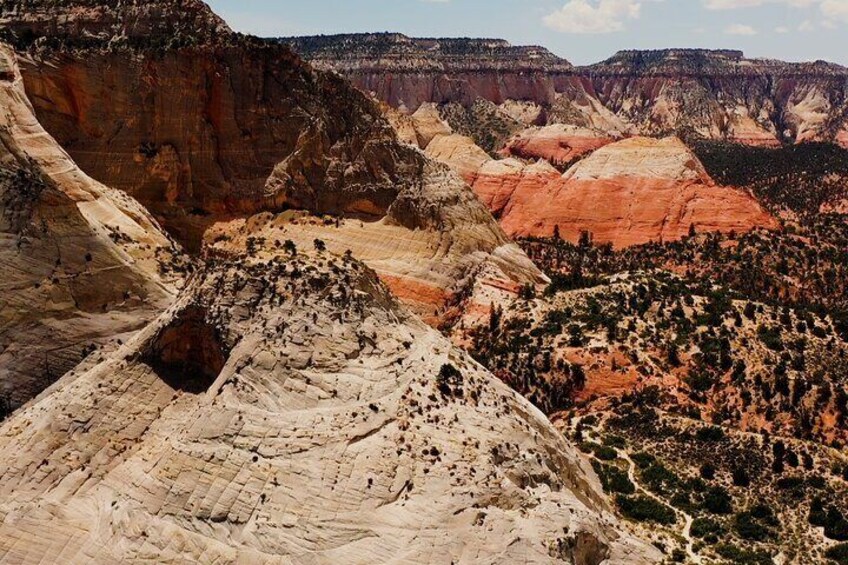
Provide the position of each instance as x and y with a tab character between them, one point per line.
582	31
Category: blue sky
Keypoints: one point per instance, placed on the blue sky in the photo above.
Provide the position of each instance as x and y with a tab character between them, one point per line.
583	31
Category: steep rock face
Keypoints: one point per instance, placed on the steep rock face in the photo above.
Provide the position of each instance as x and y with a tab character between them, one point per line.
408	72
242	113
83	263
722	95
256	129
632	192
717	94
498	181
494	180
327	425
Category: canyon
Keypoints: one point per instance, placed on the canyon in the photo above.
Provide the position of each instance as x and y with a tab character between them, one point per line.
248	273
376	299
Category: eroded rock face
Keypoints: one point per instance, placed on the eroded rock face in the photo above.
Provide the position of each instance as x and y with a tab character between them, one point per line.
256	129
717	94
243	113
631	192
409	72
627	193
340	429
559	145
83	263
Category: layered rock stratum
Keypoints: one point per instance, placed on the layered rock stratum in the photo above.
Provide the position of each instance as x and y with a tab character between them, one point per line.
716	94
626	193
631	192
256	129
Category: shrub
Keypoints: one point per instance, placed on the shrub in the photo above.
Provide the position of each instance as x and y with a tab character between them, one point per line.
836	527
743	557
771	337
706	529
614	479
838	553
644	509
659	478
817	516
602	452
643	460
712	433
450	381
750	527
718	501
741	477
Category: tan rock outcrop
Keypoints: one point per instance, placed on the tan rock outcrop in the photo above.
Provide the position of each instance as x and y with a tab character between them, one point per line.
82	263
460	152
429	124
324	425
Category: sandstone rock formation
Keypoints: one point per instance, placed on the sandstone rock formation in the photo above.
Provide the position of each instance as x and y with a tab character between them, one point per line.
716	94
409	72
626	193
83	263
632	192
257	129
494	180
460	152
324	424
558	144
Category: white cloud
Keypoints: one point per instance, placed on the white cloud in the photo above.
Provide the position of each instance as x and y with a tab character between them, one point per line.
593	16
806	26
781	29
740	29
833	12
736	4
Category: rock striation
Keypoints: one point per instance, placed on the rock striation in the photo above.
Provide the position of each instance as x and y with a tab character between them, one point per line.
83	263
324	424
256	129
627	193
559	144
631	192
408	72
716	94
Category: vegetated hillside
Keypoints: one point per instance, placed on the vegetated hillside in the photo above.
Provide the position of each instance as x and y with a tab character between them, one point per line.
703	491
808	178
484	122
802	270
732	362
